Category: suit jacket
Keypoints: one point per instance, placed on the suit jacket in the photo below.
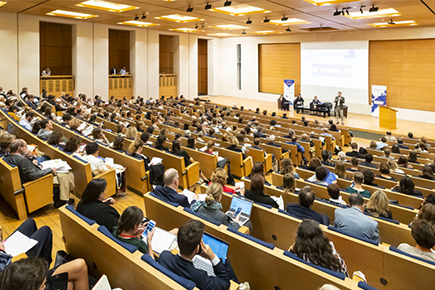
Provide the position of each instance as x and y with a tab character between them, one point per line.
102	213
171	195
28	170
260	197
354	222
185	269
339	104
355	154
303	212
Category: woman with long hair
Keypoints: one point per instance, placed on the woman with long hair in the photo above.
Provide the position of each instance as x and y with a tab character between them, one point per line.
314	247
131	133
96	206
340	169
289	183
427	172
176	149
256	192
378	205
406	186
413	157
392	164
287	167
424	235
135	150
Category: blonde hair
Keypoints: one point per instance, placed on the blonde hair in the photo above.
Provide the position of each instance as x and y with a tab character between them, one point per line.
214	191
340	169
341	156
289	183
75	123
131	133
220	176
233	140
392	164
378	204
134	146
210	144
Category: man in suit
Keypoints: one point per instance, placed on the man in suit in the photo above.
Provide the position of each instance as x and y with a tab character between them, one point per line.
303	210
169	191
189	239
338	107
353	221
113	71
354	152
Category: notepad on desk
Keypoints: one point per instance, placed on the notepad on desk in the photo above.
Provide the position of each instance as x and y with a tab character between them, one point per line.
156	161
163	241
191	195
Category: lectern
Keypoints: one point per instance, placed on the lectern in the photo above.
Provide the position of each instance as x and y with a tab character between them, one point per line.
387	117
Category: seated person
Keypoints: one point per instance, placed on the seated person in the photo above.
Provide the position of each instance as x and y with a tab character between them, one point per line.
358	180
378	205
98	136
403	162
211	208
169	191
412	157
325	133
189	239
353	221
354	152
427	172
256	193
289	183
380	145
135	150
353	165
334	193
258	168
46	129
272	143
320	176
368	161
326	158
287	167
96	206
176	149
315	102
118	143
369	177
385	170
160	142
340	169
233	145
313	165
303	209
406	186
313	246
220	176
424	235
392	164
299	147
210	147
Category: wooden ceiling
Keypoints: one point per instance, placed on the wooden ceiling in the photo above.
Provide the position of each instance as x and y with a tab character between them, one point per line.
317	16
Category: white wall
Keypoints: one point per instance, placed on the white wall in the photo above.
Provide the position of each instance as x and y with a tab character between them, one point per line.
8	52
100	61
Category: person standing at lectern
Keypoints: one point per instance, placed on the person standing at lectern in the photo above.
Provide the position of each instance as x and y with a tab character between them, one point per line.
338	107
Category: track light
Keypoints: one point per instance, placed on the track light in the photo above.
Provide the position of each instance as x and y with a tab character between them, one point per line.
347	11
284	18
227	3
374	9
361	9
202	26
136	17
288	29
337	12
196	26
144	16
207	6
391	22
266	20
249	21
342	12
244	32
189	9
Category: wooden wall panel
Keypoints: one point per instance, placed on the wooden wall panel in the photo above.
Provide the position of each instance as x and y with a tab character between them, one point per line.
202	67
407	68
166	54
277	62
55	48
119	49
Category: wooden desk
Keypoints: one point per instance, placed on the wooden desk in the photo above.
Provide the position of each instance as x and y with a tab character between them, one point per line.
56	85
121	86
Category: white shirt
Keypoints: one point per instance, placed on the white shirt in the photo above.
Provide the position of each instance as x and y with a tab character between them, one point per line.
122	72
25	124
97	164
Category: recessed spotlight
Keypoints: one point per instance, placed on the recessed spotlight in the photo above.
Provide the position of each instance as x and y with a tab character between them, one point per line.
189	9
227	3
244	32
144	16
373	8
391	22
284	18
288	29
207	6
266	20
196	26
249	21
136	17
337	12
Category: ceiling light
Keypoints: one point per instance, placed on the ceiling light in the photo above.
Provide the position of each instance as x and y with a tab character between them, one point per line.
394	24
265	32
138	23
290	21
144	16
240	10
337	12
347	11
249	21
389	12
196	26
361	9
190	30
266	20
207	6
244	32
221	34
136	17
284	18
227	3
189	9
288	29
373	8
2	3
179	18
328	2
106	5
71	14
229	26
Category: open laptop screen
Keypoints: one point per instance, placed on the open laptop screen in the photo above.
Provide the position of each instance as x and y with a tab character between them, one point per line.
245	205
218	246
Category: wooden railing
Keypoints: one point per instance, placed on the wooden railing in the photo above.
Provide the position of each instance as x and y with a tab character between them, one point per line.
121	86
56	85
168	85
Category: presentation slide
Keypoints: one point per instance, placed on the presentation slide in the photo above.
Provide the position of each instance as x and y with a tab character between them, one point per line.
329	67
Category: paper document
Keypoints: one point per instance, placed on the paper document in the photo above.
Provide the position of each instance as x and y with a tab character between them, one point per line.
59	164
163	240
31	148
203	148
82	148
150	142
156	161
109	161
81	127
18	243
88	130
240	184
191	195
220	158
103	284
217	144
279	201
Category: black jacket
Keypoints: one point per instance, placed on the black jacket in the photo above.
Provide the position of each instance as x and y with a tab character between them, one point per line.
103	213
260	197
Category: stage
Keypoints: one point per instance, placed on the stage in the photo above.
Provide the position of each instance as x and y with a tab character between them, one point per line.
357	122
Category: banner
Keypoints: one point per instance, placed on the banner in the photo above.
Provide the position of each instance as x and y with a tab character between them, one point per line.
379	98
289	90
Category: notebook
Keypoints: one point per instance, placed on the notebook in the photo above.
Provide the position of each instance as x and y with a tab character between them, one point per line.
242	204
163	240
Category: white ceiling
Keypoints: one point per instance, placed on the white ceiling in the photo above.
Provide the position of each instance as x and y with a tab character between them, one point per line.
317	16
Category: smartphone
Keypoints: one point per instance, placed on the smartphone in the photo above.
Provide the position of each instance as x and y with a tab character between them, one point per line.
237	212
149	228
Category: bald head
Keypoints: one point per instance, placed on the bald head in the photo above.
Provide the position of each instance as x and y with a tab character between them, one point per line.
170	178
18	146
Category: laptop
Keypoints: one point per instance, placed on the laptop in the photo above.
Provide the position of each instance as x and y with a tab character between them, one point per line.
242	205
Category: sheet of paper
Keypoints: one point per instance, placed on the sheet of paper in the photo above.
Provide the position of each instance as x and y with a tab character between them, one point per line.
18	243
31	148
102	284
220	158
88	130
109	161
240	184
279	200
82	147
163	240
156	161
203	148
81	127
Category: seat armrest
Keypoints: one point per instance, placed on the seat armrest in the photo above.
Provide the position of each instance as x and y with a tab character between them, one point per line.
192	173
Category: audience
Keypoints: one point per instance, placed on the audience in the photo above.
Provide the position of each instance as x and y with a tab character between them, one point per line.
424	235
320	176
392	164
406	186
368	161
354	152
256	192
427	172
334	193
356	187
169	192
289	183
287	167
378	205
303	209
385	170
340	169
353	165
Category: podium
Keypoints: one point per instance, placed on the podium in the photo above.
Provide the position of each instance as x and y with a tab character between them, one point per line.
387	117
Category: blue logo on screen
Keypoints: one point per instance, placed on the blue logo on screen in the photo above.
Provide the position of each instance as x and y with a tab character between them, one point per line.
379	101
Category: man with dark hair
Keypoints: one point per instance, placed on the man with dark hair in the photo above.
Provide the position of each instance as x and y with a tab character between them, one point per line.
26	121
303	210
353	165
352	220
410	135
369	177
326	156
368	161
354	152
189	239
358	179
380	145
46	130
320	176
400	144
334	193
